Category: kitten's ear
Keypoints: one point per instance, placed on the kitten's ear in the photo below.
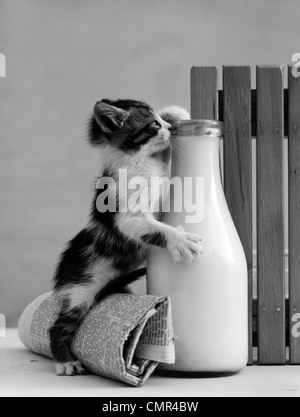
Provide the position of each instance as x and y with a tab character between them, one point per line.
108	117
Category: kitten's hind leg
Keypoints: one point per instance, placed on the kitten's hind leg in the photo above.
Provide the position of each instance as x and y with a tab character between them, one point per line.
62	334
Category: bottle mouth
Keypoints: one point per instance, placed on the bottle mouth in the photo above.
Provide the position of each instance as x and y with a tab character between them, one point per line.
198	127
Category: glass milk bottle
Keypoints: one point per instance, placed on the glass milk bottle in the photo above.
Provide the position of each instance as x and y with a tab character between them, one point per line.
210	296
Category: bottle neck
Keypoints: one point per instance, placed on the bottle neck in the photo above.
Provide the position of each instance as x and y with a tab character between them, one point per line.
197	157
196	166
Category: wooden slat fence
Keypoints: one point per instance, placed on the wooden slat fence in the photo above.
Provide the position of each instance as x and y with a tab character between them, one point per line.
268	114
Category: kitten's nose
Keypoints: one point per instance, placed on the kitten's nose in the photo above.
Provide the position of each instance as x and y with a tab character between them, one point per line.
169	126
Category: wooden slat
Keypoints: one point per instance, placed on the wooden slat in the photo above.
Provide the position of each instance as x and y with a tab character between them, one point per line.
253	111
255	323
204	93
238	163
294	211
270	219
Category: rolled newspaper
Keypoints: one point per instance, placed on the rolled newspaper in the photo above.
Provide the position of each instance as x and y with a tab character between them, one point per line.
124	337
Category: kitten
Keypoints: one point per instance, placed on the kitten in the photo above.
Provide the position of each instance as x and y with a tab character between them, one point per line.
106	255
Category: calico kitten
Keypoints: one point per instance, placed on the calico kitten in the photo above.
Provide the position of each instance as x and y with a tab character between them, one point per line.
107	254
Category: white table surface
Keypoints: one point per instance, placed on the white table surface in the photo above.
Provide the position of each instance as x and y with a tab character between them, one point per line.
24	374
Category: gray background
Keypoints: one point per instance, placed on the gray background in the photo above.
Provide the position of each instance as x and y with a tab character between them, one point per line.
62	56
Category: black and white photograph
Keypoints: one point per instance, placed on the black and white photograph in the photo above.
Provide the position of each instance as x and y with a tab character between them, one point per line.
149	201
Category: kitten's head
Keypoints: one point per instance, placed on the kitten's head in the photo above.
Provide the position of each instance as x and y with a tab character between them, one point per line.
130	126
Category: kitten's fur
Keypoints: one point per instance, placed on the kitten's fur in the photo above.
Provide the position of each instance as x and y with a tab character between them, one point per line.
106	255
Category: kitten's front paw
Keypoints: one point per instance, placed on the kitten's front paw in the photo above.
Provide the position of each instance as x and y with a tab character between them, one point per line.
185	246
69	369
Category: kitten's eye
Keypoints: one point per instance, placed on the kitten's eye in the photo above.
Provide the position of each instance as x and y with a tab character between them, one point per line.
156	125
